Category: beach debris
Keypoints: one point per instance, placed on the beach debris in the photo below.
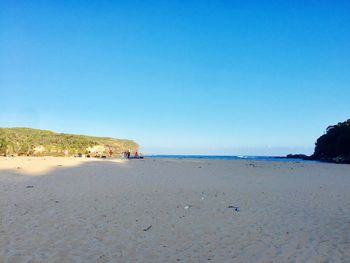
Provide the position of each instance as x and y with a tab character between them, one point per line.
148	228
30	186
59	165
26	212
187	206
199	166
235	208
19	167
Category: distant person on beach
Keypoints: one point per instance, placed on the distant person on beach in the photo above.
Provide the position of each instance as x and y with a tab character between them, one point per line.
66	153
136	155
125	154
110	153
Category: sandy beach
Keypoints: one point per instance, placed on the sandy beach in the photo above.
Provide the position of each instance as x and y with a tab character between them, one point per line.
168	210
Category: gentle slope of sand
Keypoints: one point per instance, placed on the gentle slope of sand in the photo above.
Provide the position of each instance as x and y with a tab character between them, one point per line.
87	210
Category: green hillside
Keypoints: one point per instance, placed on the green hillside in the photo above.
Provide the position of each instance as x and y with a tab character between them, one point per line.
25	141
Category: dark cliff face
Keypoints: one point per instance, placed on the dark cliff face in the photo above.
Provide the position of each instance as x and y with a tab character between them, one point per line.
334	145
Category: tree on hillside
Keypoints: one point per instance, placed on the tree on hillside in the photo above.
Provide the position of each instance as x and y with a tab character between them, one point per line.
3	146
335	142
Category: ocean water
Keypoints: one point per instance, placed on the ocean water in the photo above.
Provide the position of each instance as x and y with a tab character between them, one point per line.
226	157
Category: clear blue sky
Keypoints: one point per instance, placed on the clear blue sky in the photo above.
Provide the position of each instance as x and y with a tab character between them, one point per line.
192	77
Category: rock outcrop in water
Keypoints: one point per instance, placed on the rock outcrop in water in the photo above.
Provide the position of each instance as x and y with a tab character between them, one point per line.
296	156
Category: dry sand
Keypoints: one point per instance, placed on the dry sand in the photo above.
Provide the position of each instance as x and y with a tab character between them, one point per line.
89	210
